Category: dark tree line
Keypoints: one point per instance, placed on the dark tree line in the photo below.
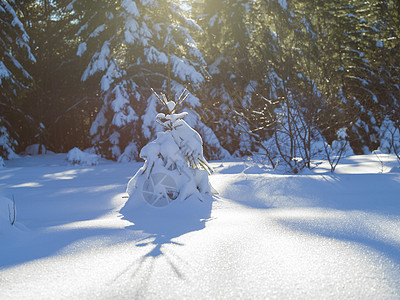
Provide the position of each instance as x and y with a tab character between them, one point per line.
289	79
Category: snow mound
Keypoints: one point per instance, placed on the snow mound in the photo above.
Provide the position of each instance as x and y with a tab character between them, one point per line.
35	149
77	157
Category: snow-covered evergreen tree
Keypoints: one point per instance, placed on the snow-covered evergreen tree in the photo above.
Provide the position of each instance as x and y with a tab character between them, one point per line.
332	59
357	48
130	46
7	143
174	168
14	79
231	85
386	86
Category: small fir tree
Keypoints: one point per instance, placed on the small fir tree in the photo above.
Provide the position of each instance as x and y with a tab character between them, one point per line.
174	167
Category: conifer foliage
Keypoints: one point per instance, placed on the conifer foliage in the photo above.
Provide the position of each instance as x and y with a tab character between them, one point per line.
225	44
14	79
130	46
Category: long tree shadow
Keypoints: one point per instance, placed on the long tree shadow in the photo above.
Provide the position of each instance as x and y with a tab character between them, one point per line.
163	225
161	229
376	193
349	229
56	207
29	246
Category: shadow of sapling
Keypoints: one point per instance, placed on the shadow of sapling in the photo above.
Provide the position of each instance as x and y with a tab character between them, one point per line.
167	223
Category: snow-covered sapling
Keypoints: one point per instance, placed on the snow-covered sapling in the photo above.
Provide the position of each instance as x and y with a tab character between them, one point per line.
174	168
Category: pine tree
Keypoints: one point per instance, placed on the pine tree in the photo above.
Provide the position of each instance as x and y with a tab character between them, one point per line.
328	57
359	70
56	107
231	84
57	76
14	78
387	60
130	46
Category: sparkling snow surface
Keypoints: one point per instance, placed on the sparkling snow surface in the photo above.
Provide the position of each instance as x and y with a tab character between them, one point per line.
267	235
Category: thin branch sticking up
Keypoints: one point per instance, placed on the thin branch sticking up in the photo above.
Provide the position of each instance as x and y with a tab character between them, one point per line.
12	216
206	167
159	98
180	101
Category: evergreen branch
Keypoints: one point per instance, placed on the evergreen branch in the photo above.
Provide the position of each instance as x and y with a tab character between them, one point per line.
159	98
163	125
205	166
182	94
192	162
72	107
179	103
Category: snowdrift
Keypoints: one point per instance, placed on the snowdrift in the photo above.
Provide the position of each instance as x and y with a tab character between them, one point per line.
78	157
268	234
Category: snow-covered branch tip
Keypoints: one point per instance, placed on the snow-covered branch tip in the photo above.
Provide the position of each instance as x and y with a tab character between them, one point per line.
171	121
171	106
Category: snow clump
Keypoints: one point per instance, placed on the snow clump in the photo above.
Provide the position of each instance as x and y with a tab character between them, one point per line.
77	157
35	149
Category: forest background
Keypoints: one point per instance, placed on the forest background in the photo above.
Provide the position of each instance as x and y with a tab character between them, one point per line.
290	80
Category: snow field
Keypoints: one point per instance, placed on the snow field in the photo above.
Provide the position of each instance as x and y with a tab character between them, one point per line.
266	235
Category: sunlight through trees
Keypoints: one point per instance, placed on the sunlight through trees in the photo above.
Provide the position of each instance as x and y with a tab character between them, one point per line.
80	73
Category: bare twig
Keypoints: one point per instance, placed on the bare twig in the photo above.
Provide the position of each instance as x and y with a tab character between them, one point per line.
12	217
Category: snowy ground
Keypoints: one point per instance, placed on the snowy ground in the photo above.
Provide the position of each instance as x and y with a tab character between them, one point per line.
268	235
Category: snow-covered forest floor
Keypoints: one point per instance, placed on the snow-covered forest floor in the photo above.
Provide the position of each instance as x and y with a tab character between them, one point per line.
266	235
